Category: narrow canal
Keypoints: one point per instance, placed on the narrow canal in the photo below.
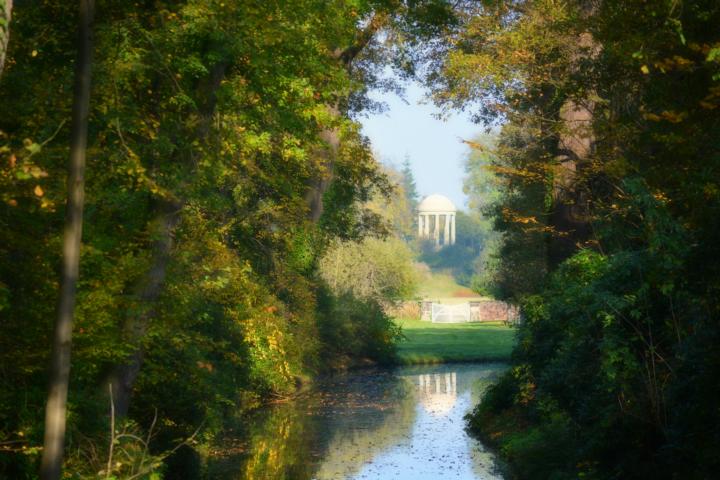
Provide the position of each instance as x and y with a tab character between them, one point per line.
401	424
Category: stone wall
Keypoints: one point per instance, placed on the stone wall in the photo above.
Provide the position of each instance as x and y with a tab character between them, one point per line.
480	311
426	311
493	310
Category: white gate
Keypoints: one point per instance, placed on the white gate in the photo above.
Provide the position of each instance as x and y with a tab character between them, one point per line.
459	313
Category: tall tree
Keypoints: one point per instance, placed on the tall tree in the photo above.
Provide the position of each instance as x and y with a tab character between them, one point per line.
56	409
408	184
167	217
223	63
570	213
344	56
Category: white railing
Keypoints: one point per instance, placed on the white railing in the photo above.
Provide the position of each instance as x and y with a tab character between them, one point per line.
459	313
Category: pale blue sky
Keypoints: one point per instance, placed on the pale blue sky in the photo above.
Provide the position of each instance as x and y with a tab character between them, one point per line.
434	146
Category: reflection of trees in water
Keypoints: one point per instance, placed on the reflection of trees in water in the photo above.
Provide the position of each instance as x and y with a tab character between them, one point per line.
279	446
343	424
276	445
357	438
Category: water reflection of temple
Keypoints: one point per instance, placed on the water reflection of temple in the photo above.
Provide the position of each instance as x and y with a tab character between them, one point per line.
437	391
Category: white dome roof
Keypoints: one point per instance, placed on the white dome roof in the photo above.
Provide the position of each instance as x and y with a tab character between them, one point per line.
436	203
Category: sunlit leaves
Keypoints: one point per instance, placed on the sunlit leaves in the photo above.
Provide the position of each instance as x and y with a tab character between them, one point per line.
213	110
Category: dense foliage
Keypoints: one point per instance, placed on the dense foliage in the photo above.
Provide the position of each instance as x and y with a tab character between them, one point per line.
222	161
609	164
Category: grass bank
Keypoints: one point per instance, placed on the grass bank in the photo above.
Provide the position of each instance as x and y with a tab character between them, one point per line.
427	342
440	285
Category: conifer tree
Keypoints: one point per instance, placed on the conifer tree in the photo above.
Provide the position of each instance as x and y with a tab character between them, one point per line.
409	185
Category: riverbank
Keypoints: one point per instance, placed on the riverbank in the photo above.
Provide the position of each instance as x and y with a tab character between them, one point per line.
428	343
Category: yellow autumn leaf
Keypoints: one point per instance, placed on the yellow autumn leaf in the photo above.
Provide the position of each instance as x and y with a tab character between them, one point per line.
38	191
644	69
673	117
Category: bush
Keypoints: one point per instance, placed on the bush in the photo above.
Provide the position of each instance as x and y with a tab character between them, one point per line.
612	367
373	269
354	331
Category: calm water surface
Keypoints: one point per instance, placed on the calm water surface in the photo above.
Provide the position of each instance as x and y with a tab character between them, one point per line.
404	424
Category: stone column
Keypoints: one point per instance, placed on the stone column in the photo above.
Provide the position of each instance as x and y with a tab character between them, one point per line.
452	230
426	226
437	229
420	225
446	238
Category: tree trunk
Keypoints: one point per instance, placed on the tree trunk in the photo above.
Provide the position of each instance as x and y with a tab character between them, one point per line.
319	185
136	325
5	15
569	213
55	413
569	216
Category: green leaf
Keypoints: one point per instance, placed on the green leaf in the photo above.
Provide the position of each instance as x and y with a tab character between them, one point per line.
33	148
713	54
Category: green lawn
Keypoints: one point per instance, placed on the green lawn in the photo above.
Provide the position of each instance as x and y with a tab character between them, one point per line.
428	342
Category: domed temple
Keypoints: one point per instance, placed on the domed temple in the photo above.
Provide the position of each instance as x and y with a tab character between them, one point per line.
436	220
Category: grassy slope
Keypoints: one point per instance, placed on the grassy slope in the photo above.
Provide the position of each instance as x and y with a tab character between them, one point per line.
428	342
441	284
